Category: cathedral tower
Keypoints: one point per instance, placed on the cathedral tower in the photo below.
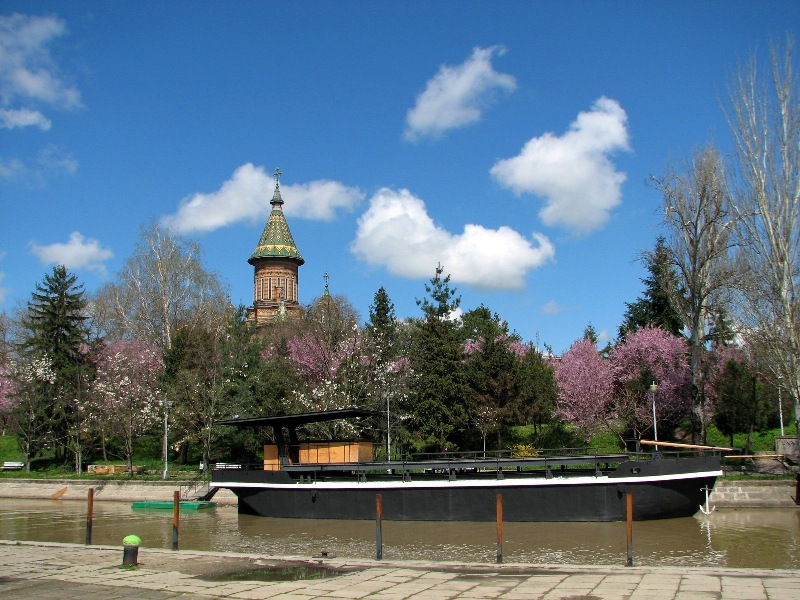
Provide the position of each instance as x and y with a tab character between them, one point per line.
275	261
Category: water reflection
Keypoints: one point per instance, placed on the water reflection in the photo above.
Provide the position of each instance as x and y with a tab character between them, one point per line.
752	538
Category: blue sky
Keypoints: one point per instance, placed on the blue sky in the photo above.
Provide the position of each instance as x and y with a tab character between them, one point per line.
508	141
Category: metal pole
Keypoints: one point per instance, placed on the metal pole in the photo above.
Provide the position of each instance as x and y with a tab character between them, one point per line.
388	431
378	526
629	526
176	517
780	404
89	511
166	438
499	510
653	389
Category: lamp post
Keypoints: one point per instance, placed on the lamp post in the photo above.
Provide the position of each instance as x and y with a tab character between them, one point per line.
780	402
653	390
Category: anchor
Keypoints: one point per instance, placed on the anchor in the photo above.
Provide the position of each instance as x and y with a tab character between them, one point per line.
706	510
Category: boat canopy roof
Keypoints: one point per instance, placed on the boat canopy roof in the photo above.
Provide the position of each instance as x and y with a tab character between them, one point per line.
292	421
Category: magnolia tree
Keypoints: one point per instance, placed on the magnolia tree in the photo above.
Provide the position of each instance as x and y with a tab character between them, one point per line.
127	399
585	388
649	355
8	397
27	394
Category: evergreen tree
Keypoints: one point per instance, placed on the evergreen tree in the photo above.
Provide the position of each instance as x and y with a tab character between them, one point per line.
490	368
438	389
56	327
653	308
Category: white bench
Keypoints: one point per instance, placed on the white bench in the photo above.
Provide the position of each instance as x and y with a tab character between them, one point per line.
12	465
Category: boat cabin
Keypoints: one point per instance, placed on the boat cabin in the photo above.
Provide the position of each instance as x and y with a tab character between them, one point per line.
288	450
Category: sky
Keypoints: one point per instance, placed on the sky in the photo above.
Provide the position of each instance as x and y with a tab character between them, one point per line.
510	142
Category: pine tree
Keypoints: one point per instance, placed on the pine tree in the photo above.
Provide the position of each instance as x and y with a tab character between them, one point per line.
653	307
57	328
438	388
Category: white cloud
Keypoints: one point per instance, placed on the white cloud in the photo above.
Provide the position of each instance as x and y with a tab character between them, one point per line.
9	119
551	308
456	96
54	159
573	172
3	290
397	233
28	74
246	196
77	253
11	169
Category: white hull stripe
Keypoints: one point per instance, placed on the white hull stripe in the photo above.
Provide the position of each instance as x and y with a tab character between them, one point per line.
465	484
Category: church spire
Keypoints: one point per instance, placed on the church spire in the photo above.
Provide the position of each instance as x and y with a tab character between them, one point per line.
276	240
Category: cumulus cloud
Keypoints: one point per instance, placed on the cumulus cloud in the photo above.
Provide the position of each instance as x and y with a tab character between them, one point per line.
28	73
573	172
456	96
246	195
78	253
397	233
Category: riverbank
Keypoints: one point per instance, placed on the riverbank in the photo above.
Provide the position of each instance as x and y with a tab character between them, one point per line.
727	493
50	570
114	490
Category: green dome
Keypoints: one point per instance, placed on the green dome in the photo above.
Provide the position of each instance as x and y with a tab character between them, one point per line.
276	240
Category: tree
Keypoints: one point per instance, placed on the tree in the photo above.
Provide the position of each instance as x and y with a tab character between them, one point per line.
700	229
654	307
585	388
438	388
29	392
55	327
738	406
536	388
490	367
126	389
650	355
161	287
764	116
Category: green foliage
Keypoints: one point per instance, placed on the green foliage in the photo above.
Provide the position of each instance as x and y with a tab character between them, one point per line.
654	307
55	333
437	407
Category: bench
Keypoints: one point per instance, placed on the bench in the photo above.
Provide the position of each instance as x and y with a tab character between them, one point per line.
12	465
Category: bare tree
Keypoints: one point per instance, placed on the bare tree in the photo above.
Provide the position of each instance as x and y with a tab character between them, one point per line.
162	286
699	239
765	121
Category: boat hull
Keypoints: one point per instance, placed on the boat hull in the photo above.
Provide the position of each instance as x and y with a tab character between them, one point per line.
660	489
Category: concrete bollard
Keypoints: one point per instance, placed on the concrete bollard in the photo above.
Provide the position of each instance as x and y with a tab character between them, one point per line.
130	550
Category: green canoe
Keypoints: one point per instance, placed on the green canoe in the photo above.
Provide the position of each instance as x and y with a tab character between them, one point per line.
169	505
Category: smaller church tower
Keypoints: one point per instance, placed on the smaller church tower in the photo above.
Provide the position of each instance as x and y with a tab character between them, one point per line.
275	261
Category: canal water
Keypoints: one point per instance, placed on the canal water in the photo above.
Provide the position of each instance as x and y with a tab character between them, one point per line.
746	538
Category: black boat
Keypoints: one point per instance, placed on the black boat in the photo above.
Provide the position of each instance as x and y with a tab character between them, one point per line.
341	480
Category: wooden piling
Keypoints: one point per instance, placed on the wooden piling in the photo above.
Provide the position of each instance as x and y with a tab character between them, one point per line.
176	516
629	526
89	512
499	510
378	526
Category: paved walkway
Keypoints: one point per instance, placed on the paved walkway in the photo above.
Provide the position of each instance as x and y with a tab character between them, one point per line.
37	570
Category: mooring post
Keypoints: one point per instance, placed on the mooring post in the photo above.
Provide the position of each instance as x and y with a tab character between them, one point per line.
176	516
378	526
89	511
629	526
499	509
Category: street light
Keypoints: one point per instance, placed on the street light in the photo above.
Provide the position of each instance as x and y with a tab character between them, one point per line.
780	403
653	390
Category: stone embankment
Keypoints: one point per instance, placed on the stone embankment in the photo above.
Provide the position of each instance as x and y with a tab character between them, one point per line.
115	490
749	493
